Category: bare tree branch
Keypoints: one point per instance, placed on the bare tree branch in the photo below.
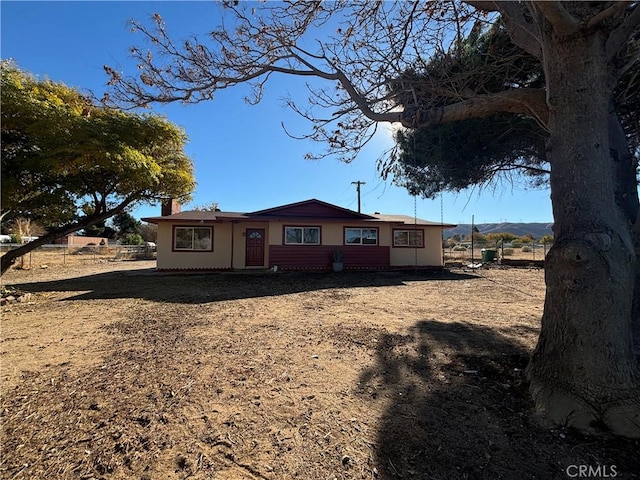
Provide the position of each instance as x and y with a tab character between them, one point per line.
371	47
620	36
614	10
521	30
531	102
562	21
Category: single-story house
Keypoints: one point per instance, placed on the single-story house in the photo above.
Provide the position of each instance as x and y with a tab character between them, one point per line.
297	236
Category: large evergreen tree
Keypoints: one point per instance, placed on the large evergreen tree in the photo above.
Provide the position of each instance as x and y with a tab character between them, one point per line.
480	151
125	223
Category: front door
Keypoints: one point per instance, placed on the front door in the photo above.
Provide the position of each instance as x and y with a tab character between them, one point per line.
255	247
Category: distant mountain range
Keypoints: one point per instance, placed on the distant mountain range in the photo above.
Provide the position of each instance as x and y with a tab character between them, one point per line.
536	230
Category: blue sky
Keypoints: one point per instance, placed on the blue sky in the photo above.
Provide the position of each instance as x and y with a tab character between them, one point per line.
243	158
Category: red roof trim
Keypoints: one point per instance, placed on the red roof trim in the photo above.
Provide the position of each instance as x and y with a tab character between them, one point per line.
312	201
312	210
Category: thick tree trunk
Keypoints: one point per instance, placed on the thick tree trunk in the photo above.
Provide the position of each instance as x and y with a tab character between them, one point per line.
583	372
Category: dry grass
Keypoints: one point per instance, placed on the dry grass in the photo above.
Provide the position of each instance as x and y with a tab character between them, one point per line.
528	253
63	256
117	372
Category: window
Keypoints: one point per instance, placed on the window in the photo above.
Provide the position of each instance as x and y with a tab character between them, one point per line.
302	235
408	238
193	238
361	236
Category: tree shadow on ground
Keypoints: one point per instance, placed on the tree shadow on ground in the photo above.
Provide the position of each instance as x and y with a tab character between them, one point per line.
459	408
205	288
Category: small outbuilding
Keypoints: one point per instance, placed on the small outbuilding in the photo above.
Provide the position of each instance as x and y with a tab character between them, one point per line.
81	241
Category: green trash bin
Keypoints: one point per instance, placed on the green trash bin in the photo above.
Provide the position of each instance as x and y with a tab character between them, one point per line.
488	255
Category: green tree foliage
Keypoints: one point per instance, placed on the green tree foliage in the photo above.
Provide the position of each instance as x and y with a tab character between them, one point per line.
132	239
528	238
473	151
99	229
500	237
125	224
547	240
479	151
206	207
15	238
460	154
68	163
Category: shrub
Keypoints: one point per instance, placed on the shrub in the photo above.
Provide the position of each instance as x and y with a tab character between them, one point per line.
459	248
526	248
547	240
507	252
132	239
16	238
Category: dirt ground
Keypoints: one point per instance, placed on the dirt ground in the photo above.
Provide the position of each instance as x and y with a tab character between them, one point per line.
113	371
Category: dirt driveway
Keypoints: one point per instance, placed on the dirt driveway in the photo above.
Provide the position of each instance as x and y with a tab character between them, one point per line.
113	371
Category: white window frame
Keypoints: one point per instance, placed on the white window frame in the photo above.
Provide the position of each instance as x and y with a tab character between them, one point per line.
302	229
192	248
346	229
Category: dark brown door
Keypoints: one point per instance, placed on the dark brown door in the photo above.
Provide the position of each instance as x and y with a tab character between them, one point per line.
255	247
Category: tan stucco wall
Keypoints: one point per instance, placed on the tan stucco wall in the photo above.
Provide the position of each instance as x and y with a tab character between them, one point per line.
433	239
219	258
430	255
384	236
332	234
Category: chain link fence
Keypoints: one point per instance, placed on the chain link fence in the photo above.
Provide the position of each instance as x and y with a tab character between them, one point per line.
505	253
52	255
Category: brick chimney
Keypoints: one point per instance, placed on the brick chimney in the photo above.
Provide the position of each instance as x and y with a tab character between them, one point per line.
170	206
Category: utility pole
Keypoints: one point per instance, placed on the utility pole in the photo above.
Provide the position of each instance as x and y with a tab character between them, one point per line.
357	184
